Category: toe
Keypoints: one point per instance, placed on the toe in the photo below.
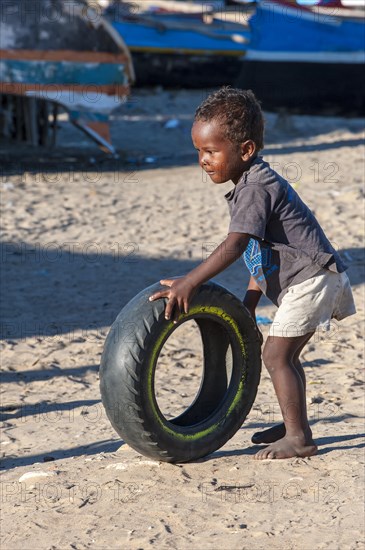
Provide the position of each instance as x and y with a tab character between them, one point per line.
261	455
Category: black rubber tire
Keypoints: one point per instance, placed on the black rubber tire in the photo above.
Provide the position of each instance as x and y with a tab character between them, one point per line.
128	366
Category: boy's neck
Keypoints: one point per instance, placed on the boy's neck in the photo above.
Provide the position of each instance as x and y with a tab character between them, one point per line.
246	167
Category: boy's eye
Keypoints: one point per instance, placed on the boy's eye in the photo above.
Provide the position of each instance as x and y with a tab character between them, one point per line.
209	152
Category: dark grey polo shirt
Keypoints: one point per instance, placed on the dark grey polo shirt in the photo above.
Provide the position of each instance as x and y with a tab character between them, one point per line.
287	245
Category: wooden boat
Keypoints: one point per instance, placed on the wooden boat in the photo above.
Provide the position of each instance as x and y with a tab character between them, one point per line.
187	49
54	55
306	59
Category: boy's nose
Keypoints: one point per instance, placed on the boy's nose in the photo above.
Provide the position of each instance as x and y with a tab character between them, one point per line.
203	160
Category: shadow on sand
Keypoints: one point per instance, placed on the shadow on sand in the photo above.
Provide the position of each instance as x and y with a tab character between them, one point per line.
54	290
105	446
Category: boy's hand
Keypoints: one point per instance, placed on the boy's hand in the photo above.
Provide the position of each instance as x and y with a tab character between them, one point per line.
182	290
179	294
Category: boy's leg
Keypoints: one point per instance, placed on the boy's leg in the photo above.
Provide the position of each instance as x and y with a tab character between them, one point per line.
278	356
277	432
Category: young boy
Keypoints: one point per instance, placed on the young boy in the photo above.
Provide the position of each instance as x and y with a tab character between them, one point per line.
287	253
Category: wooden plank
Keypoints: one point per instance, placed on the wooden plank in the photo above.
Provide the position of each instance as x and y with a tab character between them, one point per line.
64	55
58	73
22	88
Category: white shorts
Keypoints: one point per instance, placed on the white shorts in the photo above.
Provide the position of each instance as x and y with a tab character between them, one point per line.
312	304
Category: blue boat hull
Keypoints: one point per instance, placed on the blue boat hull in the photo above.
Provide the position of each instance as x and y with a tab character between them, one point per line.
183	36
279	29
182	51
304	61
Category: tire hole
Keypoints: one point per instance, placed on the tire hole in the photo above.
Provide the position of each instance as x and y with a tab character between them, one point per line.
180	370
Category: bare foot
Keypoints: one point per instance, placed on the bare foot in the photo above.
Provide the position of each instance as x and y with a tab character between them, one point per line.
270	435
288	447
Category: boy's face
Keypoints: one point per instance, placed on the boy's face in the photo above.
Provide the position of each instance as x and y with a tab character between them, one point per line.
221	159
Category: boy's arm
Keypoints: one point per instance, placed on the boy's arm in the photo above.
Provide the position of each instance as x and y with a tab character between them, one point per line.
252	297
181	291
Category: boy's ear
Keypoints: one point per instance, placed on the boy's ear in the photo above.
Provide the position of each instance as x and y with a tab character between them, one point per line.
248	149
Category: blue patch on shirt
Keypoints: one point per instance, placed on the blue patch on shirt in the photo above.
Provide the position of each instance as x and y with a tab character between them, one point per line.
257	258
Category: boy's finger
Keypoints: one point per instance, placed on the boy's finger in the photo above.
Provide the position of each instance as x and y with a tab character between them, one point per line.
166	282
158	295
178	310
169	307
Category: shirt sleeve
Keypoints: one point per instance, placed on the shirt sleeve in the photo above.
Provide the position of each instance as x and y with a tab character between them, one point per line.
250	211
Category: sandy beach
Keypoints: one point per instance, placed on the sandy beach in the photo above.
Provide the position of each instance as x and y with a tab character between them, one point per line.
81	236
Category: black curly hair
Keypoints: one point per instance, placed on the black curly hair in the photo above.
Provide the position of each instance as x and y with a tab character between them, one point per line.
239	113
